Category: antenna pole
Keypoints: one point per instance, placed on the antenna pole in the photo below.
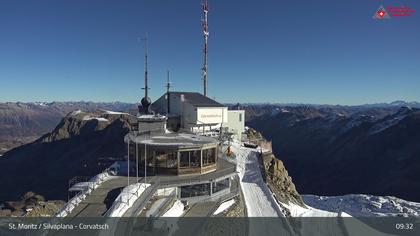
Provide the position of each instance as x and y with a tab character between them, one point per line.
206	36
168	86
146	52
168	83
145	102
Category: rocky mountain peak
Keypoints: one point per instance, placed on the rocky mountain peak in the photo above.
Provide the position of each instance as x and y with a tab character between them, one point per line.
79	122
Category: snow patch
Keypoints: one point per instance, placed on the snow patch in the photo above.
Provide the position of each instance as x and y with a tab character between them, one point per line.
383	125
298	211
224	206
86	118
126	199
115	113
361	205
76	112
176	210
42	104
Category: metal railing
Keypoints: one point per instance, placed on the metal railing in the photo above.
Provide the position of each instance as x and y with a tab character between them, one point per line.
200	178
118	202
80	196
165	203
146	195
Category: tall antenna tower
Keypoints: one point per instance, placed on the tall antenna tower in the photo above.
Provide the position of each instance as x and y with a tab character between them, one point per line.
206	36
145	102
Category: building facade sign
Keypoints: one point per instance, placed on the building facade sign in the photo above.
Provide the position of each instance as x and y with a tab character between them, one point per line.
215	115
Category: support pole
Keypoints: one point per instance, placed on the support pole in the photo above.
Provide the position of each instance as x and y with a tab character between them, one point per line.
137	162
145	160
128	162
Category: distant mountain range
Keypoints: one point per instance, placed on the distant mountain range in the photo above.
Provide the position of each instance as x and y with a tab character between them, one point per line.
400	103
336	150
328	150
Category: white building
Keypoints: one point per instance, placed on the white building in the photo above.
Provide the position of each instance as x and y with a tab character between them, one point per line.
236	123
196	112
193	110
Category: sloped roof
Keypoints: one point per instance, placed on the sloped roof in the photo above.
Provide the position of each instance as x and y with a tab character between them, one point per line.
197	99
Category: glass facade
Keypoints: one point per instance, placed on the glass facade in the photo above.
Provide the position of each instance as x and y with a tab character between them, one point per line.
166	160
220	185
195	190
209	156
190	159
173	161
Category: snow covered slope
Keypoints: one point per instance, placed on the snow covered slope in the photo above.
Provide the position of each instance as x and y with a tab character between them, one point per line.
259	200
364	205
298	211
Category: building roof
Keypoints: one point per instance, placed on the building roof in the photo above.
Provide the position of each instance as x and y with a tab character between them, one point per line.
198	99
179	140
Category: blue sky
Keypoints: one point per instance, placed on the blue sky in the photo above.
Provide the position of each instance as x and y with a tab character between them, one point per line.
331	52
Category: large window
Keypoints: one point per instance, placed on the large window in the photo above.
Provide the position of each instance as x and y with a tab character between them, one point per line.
220	185
209	156
184	160
195	190
166	160
190	159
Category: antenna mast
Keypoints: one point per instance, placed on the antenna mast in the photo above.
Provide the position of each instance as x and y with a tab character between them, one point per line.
206	36
168	86
146	51
145	102
168	83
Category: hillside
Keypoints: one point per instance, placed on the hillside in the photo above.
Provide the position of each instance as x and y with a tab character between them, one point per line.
339	150
83	144
22	123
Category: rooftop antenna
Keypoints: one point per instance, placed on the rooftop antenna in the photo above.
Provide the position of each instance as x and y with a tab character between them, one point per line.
168	86
206	36
145	102
168	83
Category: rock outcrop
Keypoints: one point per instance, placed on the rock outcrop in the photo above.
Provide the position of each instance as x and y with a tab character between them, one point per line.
83	144
279	181
22	123
275	173
31	205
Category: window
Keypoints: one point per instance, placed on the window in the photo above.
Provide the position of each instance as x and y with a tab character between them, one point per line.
209	156
195	157
195	190
190	159
220	185
240	117
166	160
184	160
